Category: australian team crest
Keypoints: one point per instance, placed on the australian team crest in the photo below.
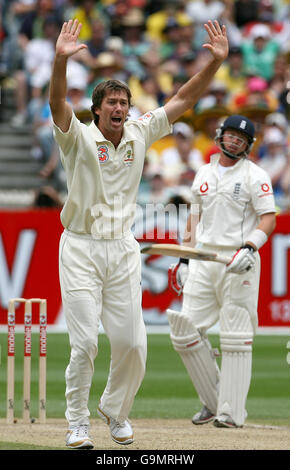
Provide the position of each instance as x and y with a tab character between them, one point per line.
129	158
103	153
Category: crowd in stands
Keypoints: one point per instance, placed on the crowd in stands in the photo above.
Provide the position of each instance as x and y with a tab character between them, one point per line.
155	46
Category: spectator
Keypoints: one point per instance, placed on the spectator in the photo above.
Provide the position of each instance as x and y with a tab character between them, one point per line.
3	33
266	15
284	200
200	11
156	70
273	120
38	57
205	123
96	43
274	161
180	162
87	12
32	25
172	37
146	95
231	73
280	77
14	14
77	83
260	52
245	11
156	22
278	120
158	191
105	66
227	18
187	64
283	36
217	94
256	94
45	148
135	43
47	197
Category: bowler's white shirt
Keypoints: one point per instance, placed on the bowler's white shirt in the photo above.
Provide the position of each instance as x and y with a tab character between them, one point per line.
103	181
230	205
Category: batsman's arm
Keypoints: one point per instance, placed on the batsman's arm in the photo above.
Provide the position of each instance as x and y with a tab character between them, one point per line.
189	233
178	272
264	229
243	259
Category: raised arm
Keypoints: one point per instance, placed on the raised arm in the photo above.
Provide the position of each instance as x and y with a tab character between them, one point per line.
66	46
194	88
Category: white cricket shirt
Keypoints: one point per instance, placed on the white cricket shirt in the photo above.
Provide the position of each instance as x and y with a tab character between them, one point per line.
103	181
230	205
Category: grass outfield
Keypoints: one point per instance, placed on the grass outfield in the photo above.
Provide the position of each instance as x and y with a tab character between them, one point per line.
166	391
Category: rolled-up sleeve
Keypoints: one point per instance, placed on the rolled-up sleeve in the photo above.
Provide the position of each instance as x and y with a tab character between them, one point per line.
66	140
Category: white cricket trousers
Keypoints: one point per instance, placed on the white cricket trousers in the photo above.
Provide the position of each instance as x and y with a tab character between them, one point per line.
101	280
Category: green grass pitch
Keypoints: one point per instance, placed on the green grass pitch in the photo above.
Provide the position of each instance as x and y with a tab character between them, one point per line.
166	391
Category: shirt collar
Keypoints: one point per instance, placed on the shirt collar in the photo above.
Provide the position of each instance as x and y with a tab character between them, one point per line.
127	136
214	160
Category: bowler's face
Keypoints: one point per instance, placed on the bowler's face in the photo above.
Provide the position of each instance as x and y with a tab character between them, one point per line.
113	112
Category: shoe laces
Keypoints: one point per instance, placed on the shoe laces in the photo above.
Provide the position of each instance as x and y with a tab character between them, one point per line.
82	430
116	425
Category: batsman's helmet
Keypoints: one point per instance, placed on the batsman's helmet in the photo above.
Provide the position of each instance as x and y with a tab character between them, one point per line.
241	124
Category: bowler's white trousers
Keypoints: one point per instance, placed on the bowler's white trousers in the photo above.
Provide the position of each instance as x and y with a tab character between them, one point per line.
101	280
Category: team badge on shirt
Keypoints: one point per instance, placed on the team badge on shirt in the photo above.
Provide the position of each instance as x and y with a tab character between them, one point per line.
103	153
129	157
237	191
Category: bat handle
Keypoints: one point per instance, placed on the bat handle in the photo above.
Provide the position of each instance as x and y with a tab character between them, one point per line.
223	259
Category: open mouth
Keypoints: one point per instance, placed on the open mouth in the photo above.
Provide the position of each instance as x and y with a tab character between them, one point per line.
117	120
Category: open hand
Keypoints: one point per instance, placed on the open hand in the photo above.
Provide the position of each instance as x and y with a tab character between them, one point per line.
218	45
67	44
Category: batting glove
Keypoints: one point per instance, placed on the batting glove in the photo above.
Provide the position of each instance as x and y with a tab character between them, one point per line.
242	261
177	275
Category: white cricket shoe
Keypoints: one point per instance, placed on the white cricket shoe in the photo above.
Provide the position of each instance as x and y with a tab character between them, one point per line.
225	421
203	416
122	433
78	437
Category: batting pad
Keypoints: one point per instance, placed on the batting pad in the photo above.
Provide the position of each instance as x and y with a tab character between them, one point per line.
235	378
197	357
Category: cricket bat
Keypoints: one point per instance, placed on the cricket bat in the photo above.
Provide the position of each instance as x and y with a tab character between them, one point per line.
179	251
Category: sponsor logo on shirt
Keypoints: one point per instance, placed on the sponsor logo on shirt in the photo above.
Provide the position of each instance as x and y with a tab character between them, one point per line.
145	116
129	157
203	188
103	153
265	187
266	190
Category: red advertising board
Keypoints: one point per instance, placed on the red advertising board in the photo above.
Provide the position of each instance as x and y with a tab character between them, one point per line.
29	268
29	260
274	299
